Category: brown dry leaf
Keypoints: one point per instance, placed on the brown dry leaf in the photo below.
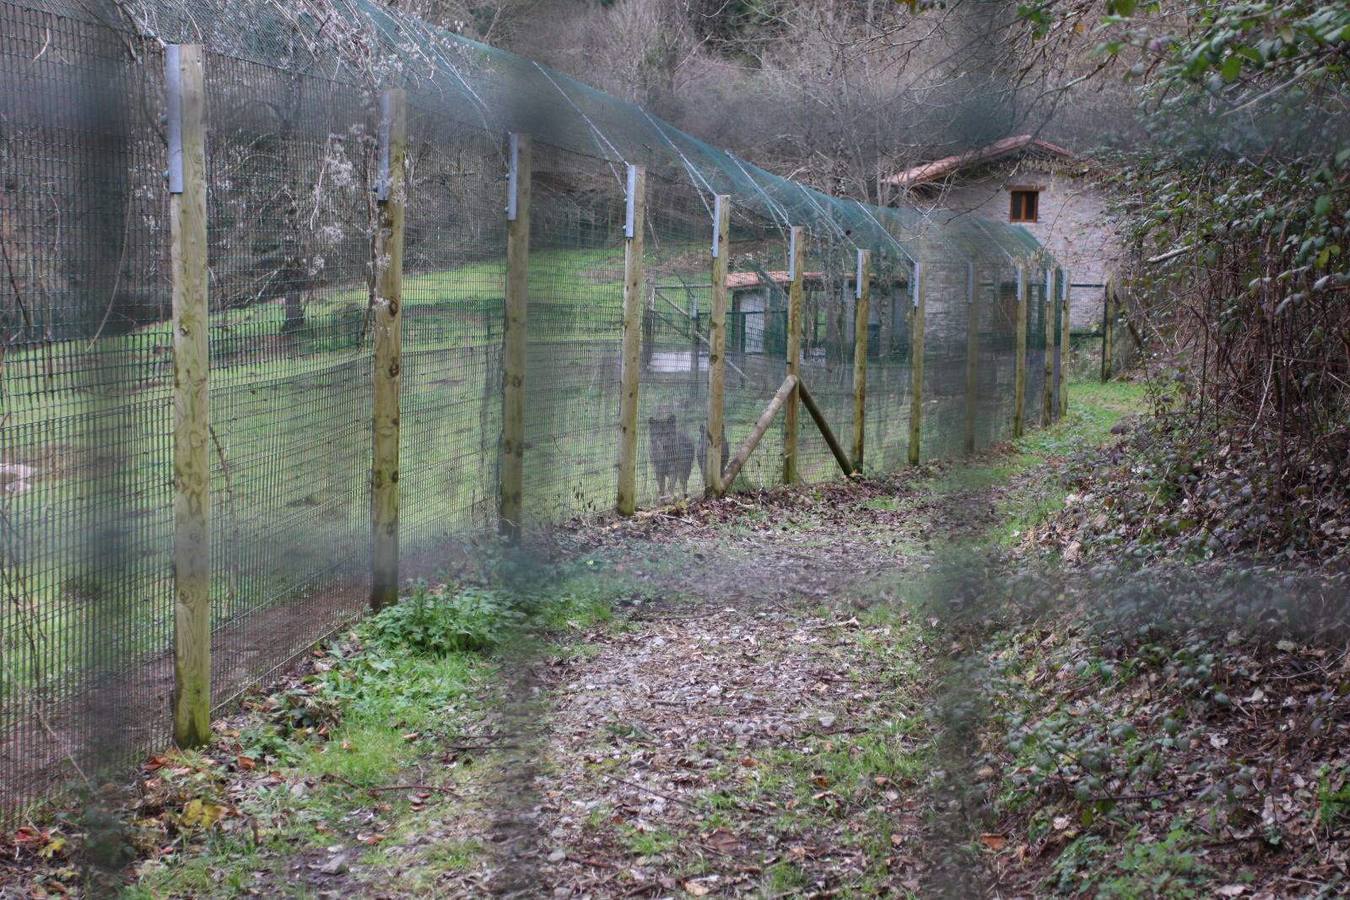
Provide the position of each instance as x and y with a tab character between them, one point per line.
723	841
697	890
246	763
995	842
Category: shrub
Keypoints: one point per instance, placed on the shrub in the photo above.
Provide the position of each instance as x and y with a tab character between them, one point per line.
442	621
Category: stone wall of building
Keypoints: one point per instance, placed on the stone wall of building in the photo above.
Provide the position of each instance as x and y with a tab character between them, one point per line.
1073	224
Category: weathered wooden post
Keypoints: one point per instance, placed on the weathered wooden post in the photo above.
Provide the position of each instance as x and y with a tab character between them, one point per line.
916	354
1065	345
387	327
796	267
862	296
717	344
1108	327
1048	363
185	103
1020	353
630	365
513	337
972	353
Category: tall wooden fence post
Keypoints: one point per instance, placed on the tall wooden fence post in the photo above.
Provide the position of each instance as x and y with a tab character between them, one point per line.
186	99
512	467
1065	345
387	326
1048	363
1108	327
630	366
916	340
972	353
862	317
796	267
1020	353
717	345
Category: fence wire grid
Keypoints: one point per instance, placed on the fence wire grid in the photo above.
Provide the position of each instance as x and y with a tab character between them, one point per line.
86	472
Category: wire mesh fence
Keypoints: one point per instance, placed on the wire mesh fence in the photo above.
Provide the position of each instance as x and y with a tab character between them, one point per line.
294	167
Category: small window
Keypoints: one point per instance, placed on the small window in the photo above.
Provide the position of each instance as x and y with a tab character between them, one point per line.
1025	206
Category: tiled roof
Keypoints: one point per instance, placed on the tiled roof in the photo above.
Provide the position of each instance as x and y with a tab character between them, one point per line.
738	280
941	168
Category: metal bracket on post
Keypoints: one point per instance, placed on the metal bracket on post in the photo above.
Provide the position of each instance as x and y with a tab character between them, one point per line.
717	217
173	91
792	254
971	287
383	180
630	214
858	276
914	286
512	175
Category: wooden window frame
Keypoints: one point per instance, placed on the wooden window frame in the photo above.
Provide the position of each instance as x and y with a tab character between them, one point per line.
1020	217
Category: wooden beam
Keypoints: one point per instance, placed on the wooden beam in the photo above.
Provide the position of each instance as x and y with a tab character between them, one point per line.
830	440
973	310
781	397
513	336
191	413
862	292
797	267
630	364
387	325
916	355
1048	362
1108	327
717	345
1065	345
1020	353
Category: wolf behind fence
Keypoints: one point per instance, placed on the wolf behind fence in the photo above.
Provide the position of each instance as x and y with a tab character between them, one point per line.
672	453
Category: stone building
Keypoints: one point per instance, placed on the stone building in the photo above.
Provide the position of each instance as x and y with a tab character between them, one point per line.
1044	188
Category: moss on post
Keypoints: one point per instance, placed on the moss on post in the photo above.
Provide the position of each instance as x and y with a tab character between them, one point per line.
717	344
1020	353
797	265
387	325
972	353
916	360
861	321
1065	345
191	417
513	339
630	365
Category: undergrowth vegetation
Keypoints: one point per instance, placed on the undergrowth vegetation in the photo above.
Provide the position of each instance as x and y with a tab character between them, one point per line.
1233	196
365	743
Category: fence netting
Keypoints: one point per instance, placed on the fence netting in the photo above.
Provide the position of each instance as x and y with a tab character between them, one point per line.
293	155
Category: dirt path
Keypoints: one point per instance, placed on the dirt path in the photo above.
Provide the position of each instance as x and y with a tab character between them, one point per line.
758	729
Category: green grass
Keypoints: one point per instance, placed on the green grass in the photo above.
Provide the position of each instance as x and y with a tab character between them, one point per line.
418	678
647	842
1094	409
